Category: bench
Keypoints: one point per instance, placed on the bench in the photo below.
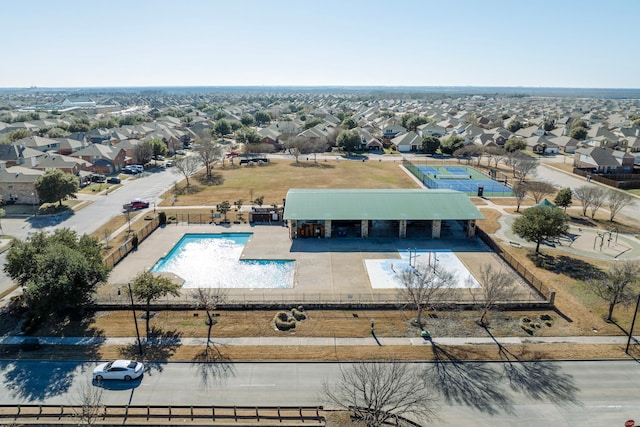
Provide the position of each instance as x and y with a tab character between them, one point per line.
514	244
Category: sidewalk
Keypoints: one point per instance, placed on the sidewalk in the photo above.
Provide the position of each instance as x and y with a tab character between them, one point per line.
324	341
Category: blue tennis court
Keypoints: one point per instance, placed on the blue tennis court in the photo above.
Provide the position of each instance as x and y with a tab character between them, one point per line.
460	178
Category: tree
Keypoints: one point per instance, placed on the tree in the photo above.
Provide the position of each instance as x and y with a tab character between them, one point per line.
563	198
591	197
208	151
223	208
514	126
617	286
56	186
515	144
422	285
18	134
296	147
262	117
540	223
539	189
314	121
430	144
158	148
495	154
519	192
259	200
187	166
376	392
149	287
349	140
451	144
415	121
247	120
616	201
248	136
578	133
209	299
143	152
349	122
521	164
90	404
221	128
58	272
496	285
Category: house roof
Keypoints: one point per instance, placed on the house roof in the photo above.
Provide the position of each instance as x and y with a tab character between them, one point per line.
387	204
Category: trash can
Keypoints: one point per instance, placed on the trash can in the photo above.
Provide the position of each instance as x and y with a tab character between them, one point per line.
480	191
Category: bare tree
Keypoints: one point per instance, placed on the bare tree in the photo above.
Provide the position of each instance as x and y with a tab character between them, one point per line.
583	193
377	392
617	286
188	166
497	154
209	299
296	147
618	200
90	405
598	198
422	285
107	236
540	189
143	152
209	151
497	285
526	165
316	147
519	192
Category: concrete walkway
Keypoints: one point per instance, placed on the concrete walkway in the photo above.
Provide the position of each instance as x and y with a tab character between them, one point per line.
325	341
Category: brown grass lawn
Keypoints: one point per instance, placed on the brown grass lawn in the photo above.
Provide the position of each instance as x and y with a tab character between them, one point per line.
275	179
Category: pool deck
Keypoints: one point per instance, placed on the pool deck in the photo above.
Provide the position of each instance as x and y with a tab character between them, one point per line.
327	270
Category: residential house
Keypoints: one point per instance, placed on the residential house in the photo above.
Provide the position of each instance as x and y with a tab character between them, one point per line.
39	143
407	142
16	155
541	145
105	159
67	146
392	130
603	160
566	143
17	184
432	129
67	164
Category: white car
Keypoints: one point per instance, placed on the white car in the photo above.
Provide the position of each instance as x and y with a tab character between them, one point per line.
118	370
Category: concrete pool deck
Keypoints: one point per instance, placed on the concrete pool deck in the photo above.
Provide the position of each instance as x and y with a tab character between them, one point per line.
327	270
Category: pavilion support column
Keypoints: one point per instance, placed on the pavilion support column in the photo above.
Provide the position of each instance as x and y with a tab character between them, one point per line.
293	229
436	226
471	228
327	228
364	228
402	229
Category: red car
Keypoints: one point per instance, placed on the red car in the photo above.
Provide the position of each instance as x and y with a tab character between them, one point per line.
135	205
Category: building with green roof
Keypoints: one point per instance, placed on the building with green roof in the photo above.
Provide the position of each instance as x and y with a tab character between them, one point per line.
378	213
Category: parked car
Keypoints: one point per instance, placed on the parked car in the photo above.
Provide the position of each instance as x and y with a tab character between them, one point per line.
114	180
158	157
98	178
118	370
135	205
169	163
181	152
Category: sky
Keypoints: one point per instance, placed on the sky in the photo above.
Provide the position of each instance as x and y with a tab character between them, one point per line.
116	43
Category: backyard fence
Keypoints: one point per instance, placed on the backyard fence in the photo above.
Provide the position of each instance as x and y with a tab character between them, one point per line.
622	181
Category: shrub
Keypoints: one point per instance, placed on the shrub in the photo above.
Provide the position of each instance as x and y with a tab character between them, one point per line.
283	322
298	314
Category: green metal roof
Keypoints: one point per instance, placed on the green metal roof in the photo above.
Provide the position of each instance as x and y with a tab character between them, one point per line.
390	204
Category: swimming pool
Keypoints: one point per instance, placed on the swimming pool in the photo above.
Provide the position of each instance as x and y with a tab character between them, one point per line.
213	261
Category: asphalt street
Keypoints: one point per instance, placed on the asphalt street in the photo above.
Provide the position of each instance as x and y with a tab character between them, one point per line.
583	393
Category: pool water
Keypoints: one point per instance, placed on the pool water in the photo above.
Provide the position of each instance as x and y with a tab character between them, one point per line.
213	261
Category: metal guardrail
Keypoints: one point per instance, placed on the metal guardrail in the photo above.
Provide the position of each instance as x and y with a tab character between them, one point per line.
131	414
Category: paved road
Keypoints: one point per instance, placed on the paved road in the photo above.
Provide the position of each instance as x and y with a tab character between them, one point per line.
473	393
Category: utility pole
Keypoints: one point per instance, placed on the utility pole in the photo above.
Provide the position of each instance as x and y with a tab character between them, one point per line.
633	322
135	320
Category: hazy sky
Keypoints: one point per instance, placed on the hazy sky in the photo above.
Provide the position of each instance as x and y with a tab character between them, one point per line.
539	43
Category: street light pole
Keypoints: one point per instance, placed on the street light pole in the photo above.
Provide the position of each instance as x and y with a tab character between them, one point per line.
633	322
